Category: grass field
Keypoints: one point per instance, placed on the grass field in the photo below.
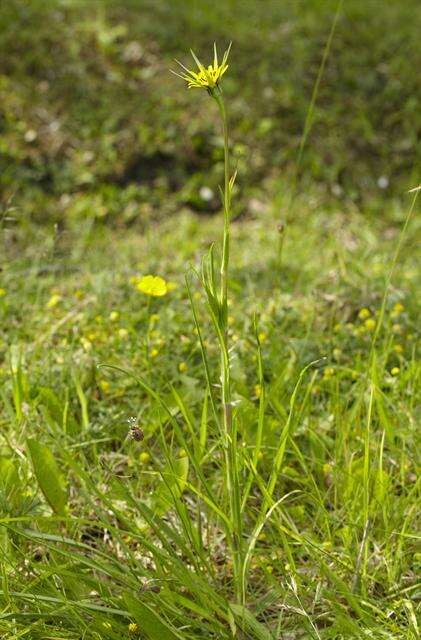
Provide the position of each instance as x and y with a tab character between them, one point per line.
175	464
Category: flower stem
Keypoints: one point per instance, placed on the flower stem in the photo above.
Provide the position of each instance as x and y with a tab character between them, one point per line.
229	426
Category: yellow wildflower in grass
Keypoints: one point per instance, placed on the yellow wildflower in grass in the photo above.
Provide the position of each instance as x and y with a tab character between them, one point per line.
364	313
395	371
262	337
398	348
104	386
2	293
257	390
154	353
182	367
53	301
398	308
152	286
337	354
206	77
123	333
144	457
133	627
114	315
370	324
329	372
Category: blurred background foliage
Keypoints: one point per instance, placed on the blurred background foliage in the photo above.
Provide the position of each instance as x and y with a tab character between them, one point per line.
94	126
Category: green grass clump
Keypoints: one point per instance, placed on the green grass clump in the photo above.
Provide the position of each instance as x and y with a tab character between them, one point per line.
142	539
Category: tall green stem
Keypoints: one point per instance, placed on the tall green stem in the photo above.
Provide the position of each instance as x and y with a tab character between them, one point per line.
229	427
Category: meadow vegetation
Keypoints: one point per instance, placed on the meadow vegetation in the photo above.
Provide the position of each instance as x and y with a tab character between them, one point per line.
131	504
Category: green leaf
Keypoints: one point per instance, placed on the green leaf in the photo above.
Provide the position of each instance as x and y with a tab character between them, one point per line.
151	625
49	478
246	621
56	412
172	485
9	481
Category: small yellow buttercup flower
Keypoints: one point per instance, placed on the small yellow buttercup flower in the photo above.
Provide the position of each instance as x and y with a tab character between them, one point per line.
104	385
395	371
53	301
364	313
206	77
152	286
370	324
182	367
398	308
144	457
133	627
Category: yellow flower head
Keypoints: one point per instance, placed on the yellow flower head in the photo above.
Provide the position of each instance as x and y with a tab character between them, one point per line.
53	301
133	627
206	77
152	286
364	313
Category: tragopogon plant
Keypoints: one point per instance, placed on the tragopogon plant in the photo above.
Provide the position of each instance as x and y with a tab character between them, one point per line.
209	78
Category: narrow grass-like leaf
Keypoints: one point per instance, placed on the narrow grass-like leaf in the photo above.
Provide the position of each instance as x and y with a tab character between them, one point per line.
48	475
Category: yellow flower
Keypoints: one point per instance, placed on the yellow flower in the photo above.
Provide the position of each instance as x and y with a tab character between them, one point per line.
53	301
133	627
257	390
364	313
370	324
144	457
154	353
262	336
2	293
395	371
123	333
398	308
114	315
337	353
152	286
105	385
182	367
206	78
